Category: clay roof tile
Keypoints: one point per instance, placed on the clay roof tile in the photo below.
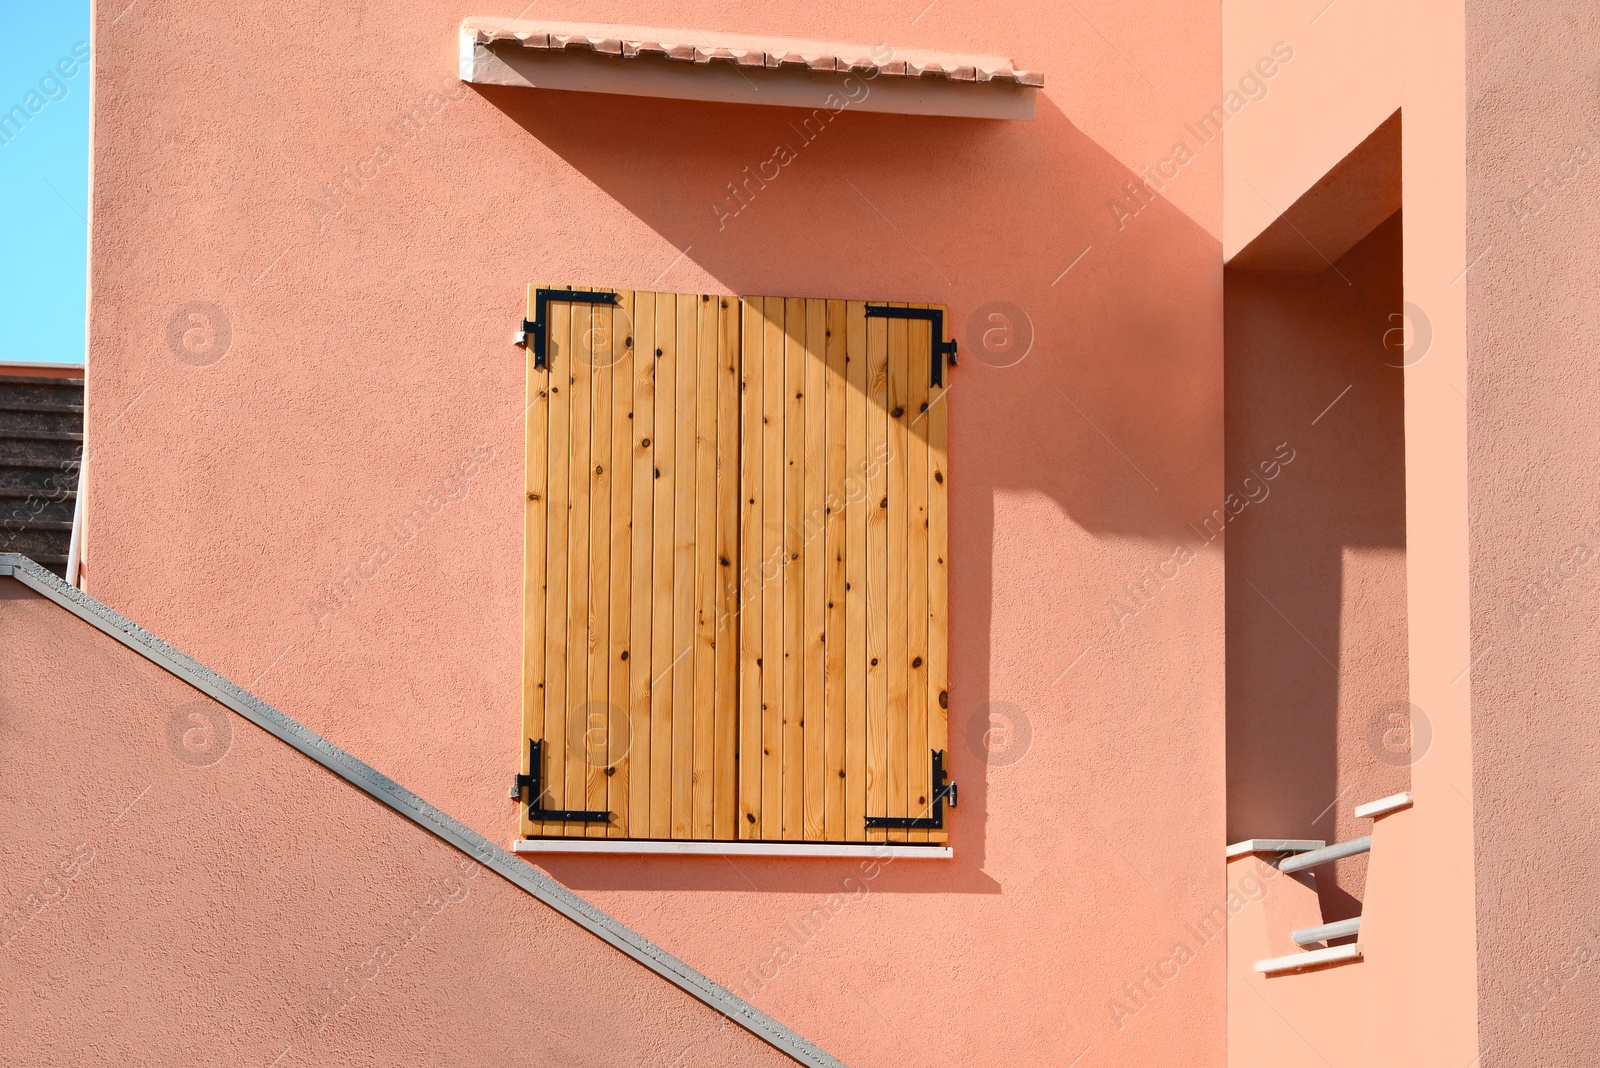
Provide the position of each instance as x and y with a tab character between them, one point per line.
630	42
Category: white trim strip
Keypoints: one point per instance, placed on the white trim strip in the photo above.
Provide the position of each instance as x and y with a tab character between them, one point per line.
1383	806
381	788
1297	962
873	850
1273	845
75	541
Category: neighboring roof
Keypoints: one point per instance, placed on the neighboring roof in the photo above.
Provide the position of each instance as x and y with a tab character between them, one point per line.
384	789
30	369
744	50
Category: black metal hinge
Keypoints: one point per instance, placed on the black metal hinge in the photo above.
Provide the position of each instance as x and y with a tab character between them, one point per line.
934	822
536	333
533	781
941	347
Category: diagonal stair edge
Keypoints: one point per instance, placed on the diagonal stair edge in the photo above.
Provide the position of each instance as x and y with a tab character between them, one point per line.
385	790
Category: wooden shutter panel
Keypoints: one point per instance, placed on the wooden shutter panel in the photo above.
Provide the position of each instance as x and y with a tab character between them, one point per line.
842	642
629	647
735	619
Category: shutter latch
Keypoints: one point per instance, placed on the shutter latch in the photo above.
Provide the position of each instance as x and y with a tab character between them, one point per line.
535	333
533	781
934	822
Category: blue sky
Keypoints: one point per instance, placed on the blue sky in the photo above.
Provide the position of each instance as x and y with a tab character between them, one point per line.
44	180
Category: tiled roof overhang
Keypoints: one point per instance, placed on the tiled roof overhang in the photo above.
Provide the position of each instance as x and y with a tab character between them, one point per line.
733	68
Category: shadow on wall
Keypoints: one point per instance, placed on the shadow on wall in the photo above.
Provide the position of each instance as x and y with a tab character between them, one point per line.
1089	354
1318	684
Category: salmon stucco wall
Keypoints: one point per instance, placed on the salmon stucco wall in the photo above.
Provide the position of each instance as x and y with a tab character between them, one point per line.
1357	63
180	887
309	251
1534	228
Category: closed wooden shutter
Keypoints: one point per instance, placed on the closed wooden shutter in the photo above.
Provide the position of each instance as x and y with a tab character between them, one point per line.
736	628
630	683
843	646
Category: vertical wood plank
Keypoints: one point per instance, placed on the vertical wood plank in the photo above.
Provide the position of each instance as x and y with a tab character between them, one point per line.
895	611
771	564
619	737
595	742
918	755
752	494
938	421
794	641
728	495
662	651
558	629
683	533
857	505
877	573
704	545
535	519
832	544
642	556
813	712
580	645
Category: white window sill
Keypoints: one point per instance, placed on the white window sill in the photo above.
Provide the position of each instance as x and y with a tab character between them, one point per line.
631	847
1273	845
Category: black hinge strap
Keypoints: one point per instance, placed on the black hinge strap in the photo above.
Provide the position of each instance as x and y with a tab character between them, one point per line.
935	822
536	333
941	347
533	781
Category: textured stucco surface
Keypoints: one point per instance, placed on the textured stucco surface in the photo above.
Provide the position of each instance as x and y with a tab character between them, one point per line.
253	510
1534	213
182	888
